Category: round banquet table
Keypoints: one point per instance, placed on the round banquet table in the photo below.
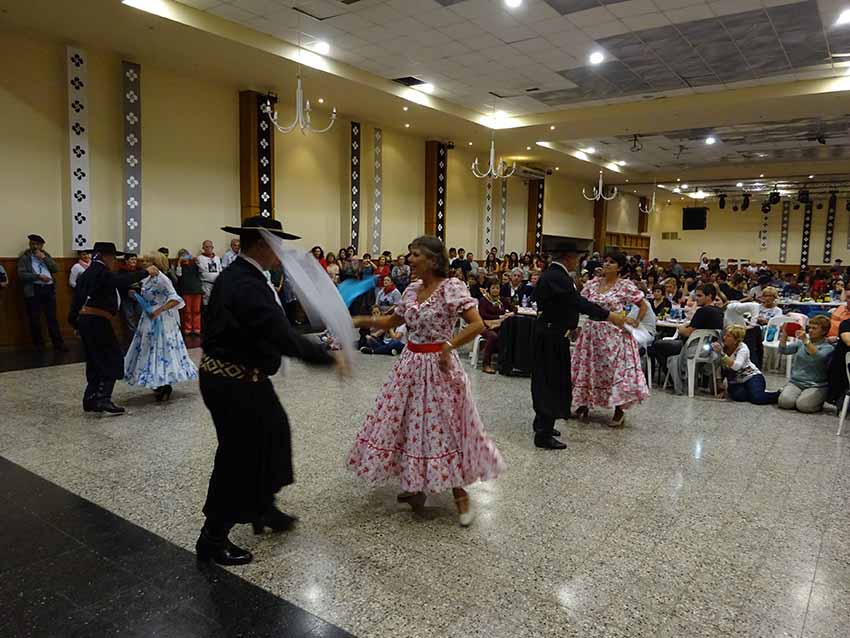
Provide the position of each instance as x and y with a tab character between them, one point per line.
516	345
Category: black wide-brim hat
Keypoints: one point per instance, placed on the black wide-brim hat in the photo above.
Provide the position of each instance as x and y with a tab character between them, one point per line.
561	247
36	238
253	225
106	248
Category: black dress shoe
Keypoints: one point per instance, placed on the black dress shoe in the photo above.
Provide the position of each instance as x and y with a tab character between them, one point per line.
108	408
275	519
550	444
222	551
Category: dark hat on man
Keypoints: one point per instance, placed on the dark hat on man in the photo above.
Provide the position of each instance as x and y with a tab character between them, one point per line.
163	250
253	225
36	238
561	247
106	248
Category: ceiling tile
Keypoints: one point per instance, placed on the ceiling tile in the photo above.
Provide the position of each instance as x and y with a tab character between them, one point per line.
665	5
484	41
320	9
606	29
688	14
437	17
203	5
380	14
350	22
632	8
646	21
431	37
472	9
462	30
232	13
591	17
532	45
565	7
258	7
534	11
730	7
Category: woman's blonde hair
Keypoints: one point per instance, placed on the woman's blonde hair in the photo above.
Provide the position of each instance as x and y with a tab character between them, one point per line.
770	290
159	260
737	333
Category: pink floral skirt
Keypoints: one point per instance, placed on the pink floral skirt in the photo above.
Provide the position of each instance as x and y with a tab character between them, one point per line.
425	430
606	368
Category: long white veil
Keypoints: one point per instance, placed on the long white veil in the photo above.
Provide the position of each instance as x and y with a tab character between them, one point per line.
316	293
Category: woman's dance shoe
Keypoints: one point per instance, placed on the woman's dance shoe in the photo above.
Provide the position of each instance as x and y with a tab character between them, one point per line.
416	500
465	512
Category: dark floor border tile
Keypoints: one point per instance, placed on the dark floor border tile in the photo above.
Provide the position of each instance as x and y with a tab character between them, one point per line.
81	570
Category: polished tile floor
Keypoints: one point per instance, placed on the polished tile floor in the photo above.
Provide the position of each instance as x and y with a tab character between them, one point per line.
700	518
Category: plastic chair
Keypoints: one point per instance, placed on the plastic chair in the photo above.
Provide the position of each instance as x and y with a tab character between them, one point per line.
800	318
698	350
846	397
772	344
473	353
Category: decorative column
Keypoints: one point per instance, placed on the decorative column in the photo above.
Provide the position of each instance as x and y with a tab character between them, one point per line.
132	100
536	195
78	147
783	232
503	216
830	227
807	236
765	220
600	225
379	192
256	156
355	186
436	183
488	216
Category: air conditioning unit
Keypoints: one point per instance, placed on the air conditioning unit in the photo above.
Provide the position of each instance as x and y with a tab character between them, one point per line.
673	235
526	172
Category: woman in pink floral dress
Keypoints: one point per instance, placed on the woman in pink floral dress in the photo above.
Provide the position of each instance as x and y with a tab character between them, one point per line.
424	427
606	368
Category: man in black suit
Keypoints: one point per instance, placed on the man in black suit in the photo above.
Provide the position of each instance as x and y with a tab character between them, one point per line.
246	335
560	304
97	298
512	289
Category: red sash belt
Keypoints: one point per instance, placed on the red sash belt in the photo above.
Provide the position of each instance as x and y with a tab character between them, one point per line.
424	347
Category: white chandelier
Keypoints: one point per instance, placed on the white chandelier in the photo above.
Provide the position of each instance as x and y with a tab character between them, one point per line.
598	192
494	170
651	209
302	114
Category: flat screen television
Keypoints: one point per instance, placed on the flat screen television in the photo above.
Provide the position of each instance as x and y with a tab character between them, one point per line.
694	218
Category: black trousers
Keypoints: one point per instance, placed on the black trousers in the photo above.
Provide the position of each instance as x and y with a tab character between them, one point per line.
43	302
551	381
254	456
104	359
661	349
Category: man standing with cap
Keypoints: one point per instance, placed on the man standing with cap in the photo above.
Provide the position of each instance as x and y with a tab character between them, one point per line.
35	271
97	299
559	304
245	336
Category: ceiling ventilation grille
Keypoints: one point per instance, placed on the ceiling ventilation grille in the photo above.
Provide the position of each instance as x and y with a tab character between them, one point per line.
669	235
409	81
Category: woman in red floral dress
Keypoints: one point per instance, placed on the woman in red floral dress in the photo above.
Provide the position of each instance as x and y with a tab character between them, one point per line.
424	427
606	368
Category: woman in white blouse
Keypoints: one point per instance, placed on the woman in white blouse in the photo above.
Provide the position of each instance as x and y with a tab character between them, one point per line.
744	380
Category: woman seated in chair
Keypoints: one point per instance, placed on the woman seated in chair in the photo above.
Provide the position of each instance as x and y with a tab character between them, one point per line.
808	388
744	380
768	308
494	310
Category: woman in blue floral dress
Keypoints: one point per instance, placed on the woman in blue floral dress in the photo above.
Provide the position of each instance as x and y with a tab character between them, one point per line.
158	356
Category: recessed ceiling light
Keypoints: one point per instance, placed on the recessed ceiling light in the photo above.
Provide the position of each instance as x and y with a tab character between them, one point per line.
710	140
762	175
739	185
621	163
844	18
596	57
678	180
684	185
627	181
661	186
513	4
321	100
470	143
634	191
527	148
404	108
427	87
557	168
590	150
321	47
407	126
552	128
811	176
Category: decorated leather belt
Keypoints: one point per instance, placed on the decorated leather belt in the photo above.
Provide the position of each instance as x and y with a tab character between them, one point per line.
96	312
235	371
420	348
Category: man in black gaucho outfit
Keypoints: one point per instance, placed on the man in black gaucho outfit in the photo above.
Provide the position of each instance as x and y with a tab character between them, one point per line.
559	304
245	337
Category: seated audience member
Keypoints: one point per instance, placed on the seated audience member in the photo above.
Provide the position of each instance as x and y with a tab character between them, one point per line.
706	317
388	296
820	286
755	292
837	292
400	274
367	267
511	289
837	365
791	287
809	384
378	341
676	268
474	286
659	303
332	267
83	262
382	270
319	254
347	265
493	310
526	263
768	309
461	263
837	317
473	265
527	290
491	264
744	380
